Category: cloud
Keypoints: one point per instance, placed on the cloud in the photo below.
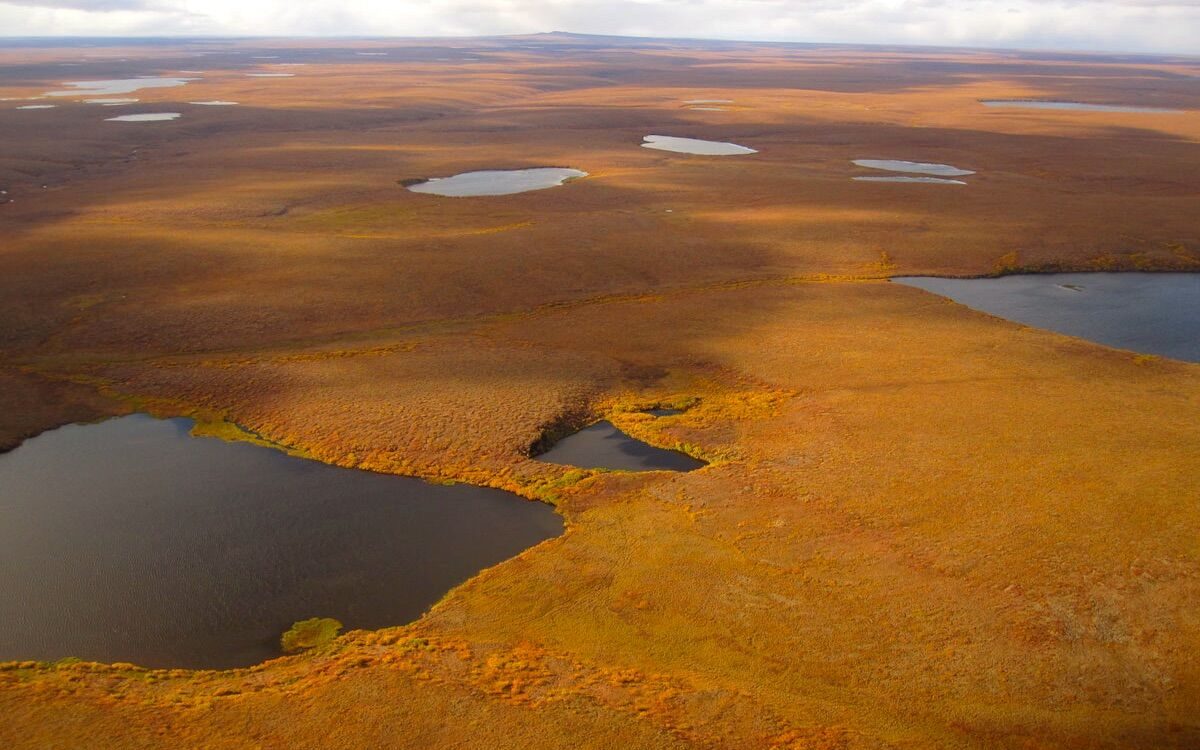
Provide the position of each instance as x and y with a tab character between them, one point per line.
1119	25
91	6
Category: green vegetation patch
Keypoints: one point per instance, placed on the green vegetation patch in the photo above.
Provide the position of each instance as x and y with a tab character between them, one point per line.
310	633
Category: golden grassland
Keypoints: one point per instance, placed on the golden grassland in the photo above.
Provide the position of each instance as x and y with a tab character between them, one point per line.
921	526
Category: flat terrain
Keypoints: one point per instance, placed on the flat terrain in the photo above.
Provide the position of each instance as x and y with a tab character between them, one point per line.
921	526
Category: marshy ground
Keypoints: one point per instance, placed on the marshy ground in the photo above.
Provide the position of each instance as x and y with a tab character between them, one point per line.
919	525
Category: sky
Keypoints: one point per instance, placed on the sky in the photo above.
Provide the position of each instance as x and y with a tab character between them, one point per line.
1171	26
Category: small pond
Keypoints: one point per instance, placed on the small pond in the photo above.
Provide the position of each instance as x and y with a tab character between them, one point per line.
117	86
215	103
37	106
695	146
603	446
1079	106
497	182
147	117
131	540
110	102
898	178
1152	313
916	167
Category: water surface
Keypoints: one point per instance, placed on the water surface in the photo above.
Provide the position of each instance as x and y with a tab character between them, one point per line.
603	446
215	103
898	178
38	106
110	102
695	146
130	540
1153	313
147	117
1080	106
916	167
118	86
497	182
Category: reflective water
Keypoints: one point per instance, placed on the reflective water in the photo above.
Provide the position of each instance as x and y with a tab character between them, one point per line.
932	180
497	182
118	86
110	102
37	106
695	146
603	446
916	167
147	117
1039	104
130	540
215	103
1153	313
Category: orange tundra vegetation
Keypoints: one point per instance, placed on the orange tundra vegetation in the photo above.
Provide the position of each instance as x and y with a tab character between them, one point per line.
921	526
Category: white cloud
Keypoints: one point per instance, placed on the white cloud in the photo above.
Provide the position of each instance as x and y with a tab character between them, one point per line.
1133	25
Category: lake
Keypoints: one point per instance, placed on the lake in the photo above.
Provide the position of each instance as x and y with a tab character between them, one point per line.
1152	313
695	146
497	182
131	540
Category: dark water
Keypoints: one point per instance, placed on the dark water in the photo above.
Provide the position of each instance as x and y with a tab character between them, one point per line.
130	540
1152	313
603	446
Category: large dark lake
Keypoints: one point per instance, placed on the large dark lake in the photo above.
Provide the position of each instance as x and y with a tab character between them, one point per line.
1152	313
131	540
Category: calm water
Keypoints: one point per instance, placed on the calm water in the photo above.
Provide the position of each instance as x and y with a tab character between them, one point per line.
899	178
603	446
148	117
130	540
916	167
497	182
695	146
118	86
1153	313
1080	106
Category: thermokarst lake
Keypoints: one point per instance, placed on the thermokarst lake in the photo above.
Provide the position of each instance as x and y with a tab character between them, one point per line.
114	86
497	182
603	446
695	146
131	540
147	117
1152	313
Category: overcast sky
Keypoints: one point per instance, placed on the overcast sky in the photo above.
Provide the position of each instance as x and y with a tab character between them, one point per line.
1107	25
